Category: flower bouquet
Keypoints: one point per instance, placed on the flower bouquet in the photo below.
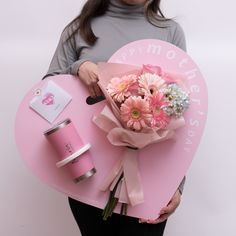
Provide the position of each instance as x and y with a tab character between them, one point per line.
145	106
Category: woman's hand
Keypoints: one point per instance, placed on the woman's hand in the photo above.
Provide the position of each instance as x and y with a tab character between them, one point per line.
166	211
89	76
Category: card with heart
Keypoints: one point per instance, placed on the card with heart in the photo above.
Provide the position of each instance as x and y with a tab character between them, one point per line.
49	101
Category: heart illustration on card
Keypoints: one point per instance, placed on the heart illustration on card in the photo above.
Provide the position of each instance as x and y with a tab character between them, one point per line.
48	99
162	166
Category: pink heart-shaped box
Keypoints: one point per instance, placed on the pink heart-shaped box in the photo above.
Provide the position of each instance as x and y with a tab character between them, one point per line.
162	166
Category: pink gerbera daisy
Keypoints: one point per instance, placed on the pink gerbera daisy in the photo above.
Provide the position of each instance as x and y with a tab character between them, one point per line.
120	88
159	118
150	84
135	113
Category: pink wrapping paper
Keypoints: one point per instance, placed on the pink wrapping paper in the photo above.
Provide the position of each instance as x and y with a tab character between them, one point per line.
109	121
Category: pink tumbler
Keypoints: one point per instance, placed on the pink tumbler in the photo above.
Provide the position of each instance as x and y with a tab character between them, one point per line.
71	150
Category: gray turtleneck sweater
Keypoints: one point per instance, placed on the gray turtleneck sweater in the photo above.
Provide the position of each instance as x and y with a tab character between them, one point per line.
120	25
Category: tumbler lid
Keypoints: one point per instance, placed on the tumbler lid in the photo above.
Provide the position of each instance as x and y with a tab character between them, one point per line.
73	156
58	126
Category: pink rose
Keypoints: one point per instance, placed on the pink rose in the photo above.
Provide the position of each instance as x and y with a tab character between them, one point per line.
158	71
152	69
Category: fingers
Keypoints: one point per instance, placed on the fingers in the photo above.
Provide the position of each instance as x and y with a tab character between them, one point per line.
93	87
94	90
90	80
88	75
170	208
162	218
97	90
172	205
154	221
142	220
165	211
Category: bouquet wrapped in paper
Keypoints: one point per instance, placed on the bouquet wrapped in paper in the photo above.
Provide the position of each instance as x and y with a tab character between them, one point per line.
145	106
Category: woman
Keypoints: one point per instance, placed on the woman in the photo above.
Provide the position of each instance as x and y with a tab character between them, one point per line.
103	27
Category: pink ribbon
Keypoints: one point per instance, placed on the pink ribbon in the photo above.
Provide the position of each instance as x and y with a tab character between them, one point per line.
129	189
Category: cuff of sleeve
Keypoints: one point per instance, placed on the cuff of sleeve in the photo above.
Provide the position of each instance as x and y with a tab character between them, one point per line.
75	66
181	186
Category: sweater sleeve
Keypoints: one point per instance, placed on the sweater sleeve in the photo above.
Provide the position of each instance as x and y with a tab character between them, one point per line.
181	186
178	37
65	59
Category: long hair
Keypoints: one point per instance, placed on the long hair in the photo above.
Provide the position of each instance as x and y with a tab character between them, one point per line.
92	9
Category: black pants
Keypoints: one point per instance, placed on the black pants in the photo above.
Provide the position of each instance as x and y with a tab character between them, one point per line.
90	222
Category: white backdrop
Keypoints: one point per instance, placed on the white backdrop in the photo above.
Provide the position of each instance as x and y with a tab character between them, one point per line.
29	32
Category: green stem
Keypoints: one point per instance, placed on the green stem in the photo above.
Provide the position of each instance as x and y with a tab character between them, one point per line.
124	209
112	201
